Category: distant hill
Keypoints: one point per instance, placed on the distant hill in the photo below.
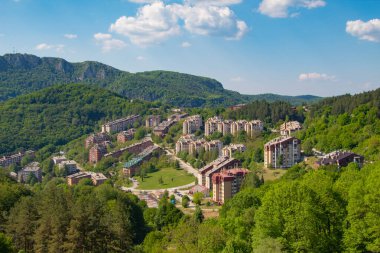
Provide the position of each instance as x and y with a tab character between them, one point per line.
56	115
294	100
23	73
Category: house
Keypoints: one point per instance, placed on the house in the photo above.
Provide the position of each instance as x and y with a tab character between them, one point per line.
341	159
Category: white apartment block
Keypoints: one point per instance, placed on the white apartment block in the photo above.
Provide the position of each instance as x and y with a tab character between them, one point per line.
120	124
232	148
290	127
216	124
192	124
282	152
191	145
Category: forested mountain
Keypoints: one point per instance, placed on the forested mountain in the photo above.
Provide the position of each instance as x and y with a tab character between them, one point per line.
59	114
22	74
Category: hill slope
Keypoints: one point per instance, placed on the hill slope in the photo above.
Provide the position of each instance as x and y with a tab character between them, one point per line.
59	114
22	74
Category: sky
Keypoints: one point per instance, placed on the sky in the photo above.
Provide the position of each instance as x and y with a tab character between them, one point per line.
289	47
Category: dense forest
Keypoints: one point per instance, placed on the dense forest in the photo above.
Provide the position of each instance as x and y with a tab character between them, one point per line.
22	74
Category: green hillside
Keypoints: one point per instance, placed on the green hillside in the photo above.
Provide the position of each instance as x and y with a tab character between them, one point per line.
59	114
22	74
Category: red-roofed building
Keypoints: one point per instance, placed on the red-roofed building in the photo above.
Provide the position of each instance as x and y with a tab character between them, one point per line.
227	183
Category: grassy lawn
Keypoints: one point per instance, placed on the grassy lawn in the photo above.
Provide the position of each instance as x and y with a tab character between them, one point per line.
151	181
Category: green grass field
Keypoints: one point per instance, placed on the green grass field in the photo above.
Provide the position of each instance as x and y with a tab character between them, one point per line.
171	178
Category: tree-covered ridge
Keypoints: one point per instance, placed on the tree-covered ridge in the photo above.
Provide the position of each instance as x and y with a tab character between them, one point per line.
22	74
56	115
345	122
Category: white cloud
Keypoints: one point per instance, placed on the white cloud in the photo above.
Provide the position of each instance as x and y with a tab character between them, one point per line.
237	79
280	8
156	22
45	46
211	20
102	36
108	43
140	58
316	77
70	36
153	23
186	44
369	30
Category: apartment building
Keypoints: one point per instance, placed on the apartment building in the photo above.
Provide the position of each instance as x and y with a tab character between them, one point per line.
163	128
120	124
6	161
232	148
341	158
152	121
211	125
63	163
227	183
96	153
191	145
238	126
96	138
216	124
96	178
192	124
125	136
135	148
282	152
253	126
290	127
31	168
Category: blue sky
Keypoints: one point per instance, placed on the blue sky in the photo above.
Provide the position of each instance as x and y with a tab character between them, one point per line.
292	47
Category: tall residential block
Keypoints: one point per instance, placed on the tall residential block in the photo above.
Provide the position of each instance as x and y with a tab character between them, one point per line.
227	183
192	124
282	152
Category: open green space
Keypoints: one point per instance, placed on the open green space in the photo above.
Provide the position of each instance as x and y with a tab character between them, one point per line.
171	177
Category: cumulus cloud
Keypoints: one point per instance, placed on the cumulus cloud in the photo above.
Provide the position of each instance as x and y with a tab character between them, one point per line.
108	43
369	30
185	44
280	8
70	36
153	23
156	22
210	20
45	46
316	77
